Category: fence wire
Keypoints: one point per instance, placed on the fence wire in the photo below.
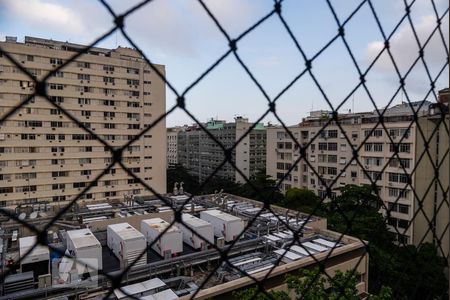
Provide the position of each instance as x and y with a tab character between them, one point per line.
119	25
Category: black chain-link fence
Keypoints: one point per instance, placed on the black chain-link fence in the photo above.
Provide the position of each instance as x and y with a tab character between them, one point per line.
113	282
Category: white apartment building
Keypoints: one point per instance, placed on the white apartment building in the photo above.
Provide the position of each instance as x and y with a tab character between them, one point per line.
330	154
46	157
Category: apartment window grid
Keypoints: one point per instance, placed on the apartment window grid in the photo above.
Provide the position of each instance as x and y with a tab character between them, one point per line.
277	13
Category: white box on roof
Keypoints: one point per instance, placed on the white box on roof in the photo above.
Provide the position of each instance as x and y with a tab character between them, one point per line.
127	244
171	240
39	253
326	243
37	261
140	289
315	246
164	295
87	250
288	256
225	225
193	226
302	250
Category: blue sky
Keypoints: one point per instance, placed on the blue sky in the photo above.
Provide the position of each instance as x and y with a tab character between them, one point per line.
180	35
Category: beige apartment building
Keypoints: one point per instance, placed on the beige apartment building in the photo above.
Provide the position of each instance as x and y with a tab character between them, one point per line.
330	155
47	158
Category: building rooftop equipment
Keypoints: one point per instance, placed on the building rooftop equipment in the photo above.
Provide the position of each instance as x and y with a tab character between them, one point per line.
39	253
140	288
316	247
160	225
126	231
222	215
164	295
82	238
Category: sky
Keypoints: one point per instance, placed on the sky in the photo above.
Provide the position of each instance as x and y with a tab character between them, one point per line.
180	35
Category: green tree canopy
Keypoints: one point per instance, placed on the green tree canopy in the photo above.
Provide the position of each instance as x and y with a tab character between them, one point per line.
302	200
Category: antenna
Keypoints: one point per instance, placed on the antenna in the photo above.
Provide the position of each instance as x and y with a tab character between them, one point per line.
353	103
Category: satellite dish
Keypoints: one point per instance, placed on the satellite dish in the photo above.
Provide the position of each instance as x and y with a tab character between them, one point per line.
22	216
33	215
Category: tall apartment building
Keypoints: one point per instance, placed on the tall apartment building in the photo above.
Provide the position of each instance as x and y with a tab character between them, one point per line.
329	153
44	156
201	155
172	142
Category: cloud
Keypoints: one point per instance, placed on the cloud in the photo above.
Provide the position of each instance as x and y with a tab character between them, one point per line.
44	13
404	47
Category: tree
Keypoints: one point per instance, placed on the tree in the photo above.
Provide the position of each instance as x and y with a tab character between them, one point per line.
416	273
267	188
411	272
312	285
356	212
302	200
178	173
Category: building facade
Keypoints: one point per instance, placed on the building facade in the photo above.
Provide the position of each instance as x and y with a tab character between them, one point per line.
392	155
201	155
172	142
45	156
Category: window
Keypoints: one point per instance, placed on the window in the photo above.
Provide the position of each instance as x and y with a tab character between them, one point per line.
77	185
56	124
322	146
133	104
57	99
50	137
58	74
84	101
332	158
85	172
108	79
54	86
332	146
132	71
400	193
375	133
109	125
109	114
108	68
402	223
402	147
56	61
85	113
6	190
404	209
398	177
332	133
373	175
132	81
28	136
332	171
58	186
354	174
60	174
84	77
55	111
402	162
373	147
109	102
82	64
133	126
84	160
30	58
